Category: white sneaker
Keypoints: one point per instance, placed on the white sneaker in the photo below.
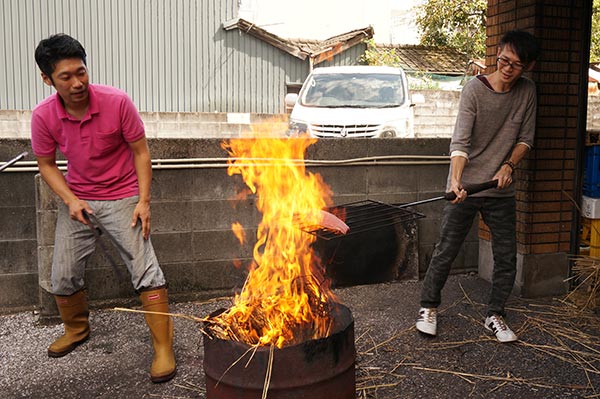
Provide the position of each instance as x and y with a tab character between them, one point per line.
497	325
427	321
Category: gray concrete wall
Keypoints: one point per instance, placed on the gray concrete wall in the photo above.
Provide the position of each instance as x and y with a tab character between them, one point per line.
18	241
434	118
17	124
437	116
593	114
193	211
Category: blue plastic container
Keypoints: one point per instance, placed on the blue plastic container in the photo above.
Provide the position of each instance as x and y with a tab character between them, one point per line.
591	172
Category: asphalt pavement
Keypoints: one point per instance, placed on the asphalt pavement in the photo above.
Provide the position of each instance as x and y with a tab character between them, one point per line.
557	356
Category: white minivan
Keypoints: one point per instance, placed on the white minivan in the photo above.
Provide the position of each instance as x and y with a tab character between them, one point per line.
353	101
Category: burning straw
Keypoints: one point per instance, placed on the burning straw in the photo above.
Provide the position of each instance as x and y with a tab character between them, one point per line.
286	298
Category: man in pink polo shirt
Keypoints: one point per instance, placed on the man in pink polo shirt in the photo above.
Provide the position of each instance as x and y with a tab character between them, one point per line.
100	133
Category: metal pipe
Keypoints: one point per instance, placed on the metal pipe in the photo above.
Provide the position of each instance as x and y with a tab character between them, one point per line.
382	157
12	161
336	161
214	163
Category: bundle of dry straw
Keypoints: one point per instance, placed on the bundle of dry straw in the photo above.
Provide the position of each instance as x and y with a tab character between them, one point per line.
586	275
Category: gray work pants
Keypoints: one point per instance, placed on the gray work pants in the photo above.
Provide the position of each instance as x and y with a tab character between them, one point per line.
75	242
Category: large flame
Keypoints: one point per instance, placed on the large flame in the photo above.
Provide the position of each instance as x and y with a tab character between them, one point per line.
286	298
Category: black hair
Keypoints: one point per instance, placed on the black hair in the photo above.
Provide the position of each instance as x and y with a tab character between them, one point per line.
523	43
56	48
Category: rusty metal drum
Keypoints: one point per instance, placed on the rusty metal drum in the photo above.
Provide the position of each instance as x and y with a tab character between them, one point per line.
317	369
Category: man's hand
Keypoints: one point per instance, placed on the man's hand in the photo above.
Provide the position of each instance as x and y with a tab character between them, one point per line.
55	179
457	188
504	176
75	210
142	212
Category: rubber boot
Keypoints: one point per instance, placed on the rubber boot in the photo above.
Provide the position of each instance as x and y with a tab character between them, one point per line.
74	313
161	328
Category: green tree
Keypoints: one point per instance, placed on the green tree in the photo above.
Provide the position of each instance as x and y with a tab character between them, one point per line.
380	55
458	24
595	44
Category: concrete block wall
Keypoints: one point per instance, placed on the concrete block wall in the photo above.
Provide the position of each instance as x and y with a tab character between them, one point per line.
17	124
437	116
18	241
593	113
190	232
434	118
203	125
193	212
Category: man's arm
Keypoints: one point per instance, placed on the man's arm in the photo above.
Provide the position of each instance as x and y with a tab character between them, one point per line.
457	165
504	174
55	179
143	169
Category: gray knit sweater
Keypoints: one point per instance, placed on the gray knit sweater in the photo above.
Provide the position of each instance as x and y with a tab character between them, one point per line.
488	126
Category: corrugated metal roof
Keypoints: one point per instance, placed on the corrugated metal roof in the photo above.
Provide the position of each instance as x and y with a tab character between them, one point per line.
413	58
318	45
318	50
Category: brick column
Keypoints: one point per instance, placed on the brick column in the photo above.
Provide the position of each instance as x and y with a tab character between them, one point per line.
545	179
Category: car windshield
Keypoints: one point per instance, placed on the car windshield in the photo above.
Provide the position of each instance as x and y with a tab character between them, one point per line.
353	90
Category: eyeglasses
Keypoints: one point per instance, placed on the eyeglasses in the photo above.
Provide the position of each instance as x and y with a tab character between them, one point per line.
514	65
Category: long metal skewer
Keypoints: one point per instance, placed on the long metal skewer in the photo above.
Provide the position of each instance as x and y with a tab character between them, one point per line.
14	160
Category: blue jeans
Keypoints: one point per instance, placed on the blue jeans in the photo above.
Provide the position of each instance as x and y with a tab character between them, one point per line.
75	242
500	216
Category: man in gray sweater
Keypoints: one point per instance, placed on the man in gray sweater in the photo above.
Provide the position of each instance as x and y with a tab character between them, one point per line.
494	130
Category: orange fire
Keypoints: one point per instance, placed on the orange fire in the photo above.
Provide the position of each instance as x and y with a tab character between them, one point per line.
286	298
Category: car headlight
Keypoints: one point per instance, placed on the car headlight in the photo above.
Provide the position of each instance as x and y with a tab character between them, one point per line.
297	128
387	133
400	128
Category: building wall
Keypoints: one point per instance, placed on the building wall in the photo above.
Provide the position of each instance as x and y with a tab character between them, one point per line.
169	56
351	56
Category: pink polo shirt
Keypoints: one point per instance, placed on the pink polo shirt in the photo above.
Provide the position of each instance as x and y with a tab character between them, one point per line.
100	162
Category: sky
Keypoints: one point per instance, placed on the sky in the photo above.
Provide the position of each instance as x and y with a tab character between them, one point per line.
392	20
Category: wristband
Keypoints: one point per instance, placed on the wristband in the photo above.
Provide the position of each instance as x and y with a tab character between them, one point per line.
510	164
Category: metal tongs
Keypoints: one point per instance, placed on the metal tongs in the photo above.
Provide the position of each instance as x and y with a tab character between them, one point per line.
99	230
368	215
450	196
